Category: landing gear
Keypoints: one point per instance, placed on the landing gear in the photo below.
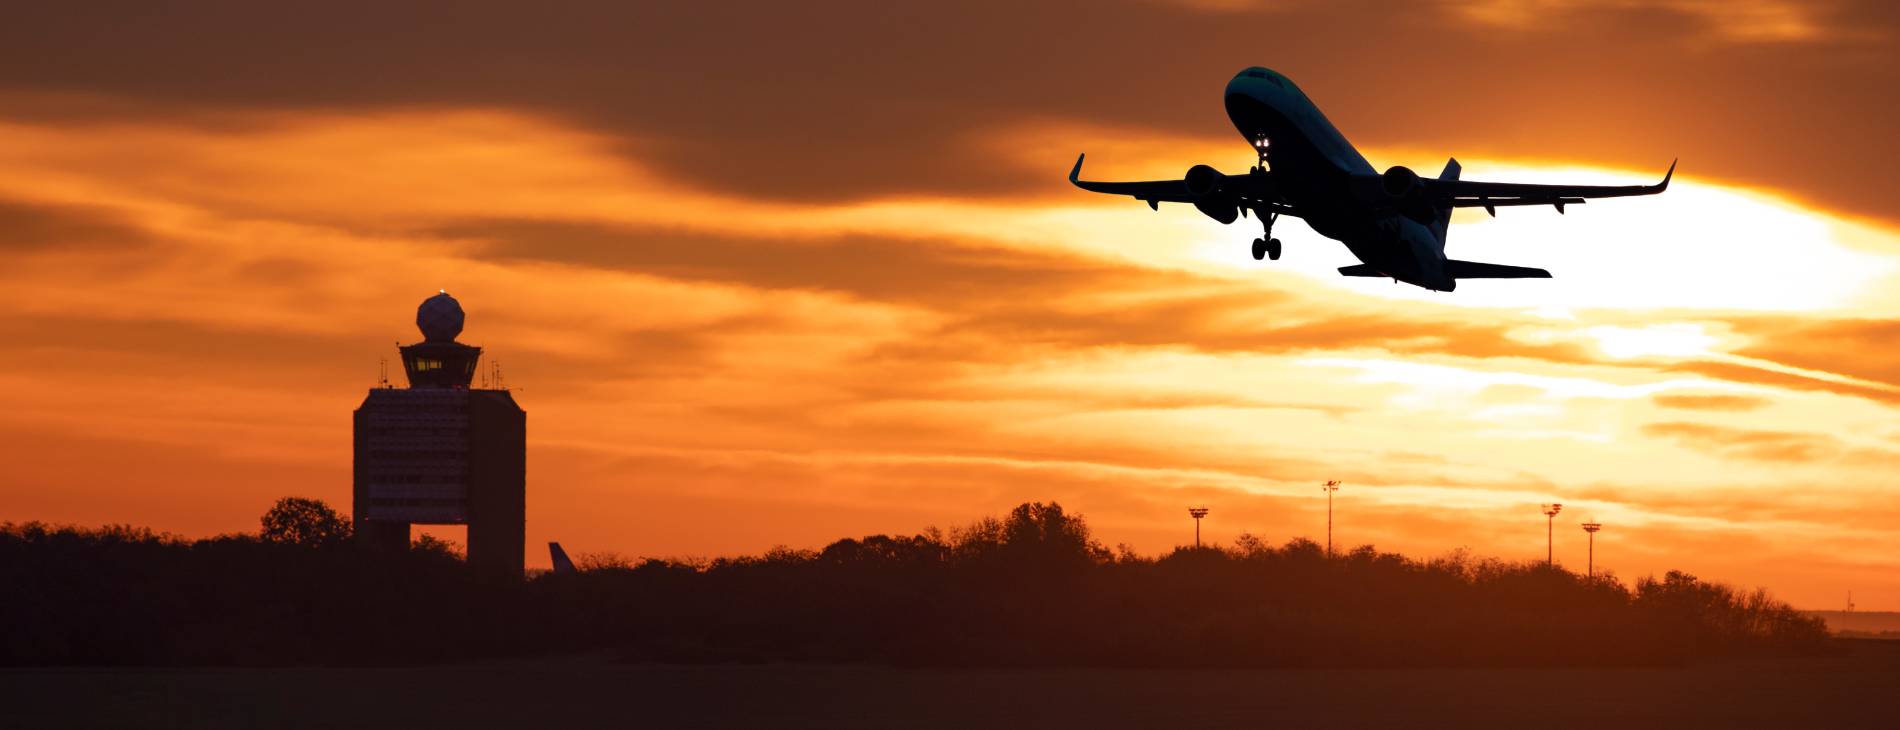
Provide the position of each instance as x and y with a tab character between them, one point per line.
1267	246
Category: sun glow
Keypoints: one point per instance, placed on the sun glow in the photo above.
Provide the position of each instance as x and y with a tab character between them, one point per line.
1697	246
1700	245
1677	340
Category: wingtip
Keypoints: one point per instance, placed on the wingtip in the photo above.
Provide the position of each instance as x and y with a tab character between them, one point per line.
1671	173
1075	173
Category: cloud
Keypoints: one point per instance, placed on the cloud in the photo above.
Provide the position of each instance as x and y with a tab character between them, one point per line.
924	268
1776	446
27	227
1733	21
1856	348
719	97
1711	402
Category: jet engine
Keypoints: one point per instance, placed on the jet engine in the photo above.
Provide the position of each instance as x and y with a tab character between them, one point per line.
1402	187
1399	181
1205	183
1203	180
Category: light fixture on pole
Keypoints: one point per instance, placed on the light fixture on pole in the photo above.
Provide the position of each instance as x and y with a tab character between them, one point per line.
1550	516
1197	513
1592	527
1331	485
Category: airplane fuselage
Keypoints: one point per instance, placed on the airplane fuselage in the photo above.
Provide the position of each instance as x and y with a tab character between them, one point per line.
1316	170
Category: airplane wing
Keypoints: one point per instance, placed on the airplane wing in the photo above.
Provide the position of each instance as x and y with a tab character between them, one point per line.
1490	196
1153	192
1248	192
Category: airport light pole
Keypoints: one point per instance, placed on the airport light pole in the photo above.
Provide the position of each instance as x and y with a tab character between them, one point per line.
1197	513
1331	485
1550	517
1592	527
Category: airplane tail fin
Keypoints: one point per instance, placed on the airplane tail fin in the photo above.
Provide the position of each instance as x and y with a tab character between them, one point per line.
1480	270
1452	168
558	557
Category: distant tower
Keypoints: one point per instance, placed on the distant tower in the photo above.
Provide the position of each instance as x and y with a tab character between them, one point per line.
1550	518
441	453
1592	528
1331	485
1197	513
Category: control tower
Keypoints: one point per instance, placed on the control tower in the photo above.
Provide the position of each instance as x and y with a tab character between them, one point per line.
442	453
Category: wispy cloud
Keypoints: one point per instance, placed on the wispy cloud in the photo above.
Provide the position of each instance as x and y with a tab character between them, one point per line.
1734	21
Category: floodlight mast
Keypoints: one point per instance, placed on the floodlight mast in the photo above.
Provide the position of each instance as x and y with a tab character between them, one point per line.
1593	527
1331	485
1550	517
1197	513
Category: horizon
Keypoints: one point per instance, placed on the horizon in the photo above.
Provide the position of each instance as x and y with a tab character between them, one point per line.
754	291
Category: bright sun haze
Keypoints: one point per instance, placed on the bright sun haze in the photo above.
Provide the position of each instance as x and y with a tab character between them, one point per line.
754	292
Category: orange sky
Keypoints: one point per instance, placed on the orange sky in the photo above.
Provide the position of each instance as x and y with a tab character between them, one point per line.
762	279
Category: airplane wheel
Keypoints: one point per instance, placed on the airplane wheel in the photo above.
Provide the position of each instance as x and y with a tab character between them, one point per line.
1260	249
1273	249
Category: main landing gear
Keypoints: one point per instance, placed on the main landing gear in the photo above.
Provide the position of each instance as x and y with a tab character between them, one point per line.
1267	246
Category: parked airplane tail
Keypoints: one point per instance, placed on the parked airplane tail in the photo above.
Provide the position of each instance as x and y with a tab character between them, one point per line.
1444	214
1479	270
558	558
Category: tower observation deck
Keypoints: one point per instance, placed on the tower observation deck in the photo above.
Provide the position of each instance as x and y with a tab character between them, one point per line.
440	452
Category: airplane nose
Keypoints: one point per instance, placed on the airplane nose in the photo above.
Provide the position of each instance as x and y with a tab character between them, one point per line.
1256	82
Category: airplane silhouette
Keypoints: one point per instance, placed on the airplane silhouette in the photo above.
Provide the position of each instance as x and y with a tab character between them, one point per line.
558	560
1393	222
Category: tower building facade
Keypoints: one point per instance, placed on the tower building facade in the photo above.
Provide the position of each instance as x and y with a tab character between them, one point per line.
441	452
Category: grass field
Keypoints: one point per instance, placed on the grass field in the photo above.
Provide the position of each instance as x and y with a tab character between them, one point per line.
1852	688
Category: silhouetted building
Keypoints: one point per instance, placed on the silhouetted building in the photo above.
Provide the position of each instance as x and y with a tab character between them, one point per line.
440	452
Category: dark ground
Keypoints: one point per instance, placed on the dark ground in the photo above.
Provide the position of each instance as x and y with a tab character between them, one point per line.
1855	688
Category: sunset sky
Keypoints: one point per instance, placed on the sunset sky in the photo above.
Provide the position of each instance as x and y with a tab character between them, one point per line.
780	273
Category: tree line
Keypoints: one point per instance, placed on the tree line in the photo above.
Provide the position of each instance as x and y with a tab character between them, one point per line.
1031	588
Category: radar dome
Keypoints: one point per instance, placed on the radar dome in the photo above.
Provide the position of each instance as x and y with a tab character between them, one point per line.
439	318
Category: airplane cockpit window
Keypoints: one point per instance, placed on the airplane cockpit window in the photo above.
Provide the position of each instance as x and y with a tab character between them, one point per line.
1259	74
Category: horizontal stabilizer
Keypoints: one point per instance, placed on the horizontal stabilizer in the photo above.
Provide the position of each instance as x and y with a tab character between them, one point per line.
1480	270
1360	270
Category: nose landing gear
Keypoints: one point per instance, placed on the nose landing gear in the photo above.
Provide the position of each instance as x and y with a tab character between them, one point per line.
1267	246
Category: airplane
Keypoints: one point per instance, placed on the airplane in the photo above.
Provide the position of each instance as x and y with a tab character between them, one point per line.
1394	222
